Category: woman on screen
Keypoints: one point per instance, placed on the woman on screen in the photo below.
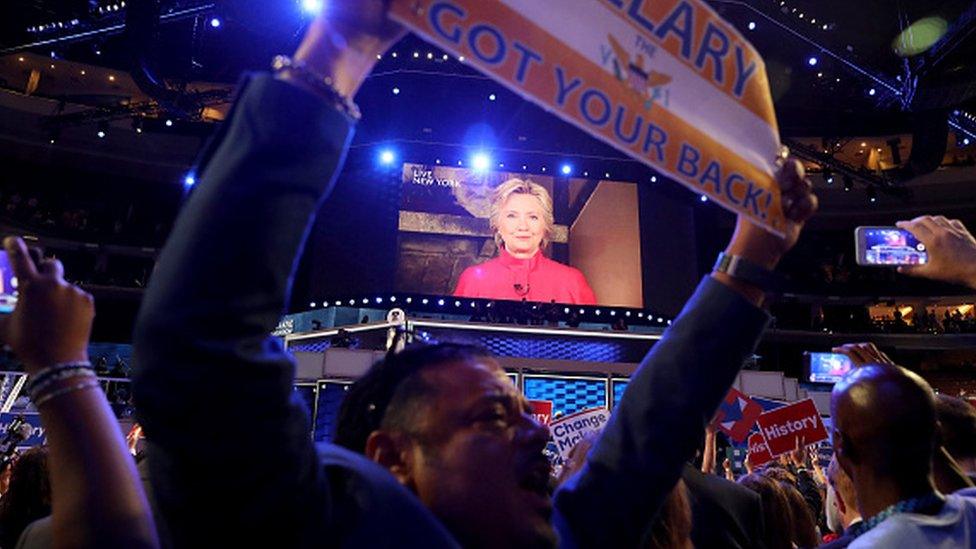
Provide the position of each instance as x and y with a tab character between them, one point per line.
522	222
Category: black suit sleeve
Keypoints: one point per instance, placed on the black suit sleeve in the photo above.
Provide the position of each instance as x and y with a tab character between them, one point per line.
231	458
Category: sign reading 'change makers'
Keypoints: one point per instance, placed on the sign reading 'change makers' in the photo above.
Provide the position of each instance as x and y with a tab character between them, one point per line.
566	431
668	82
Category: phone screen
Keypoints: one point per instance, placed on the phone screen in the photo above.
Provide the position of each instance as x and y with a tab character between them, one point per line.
8	285
828	367
892	246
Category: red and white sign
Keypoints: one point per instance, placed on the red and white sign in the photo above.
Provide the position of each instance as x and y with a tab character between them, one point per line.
542	410
758	451
783	426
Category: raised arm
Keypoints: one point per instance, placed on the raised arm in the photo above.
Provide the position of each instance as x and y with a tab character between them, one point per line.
675	392
96	497
230	454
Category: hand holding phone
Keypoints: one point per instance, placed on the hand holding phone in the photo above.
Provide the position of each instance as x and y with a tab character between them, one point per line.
888	247
950	246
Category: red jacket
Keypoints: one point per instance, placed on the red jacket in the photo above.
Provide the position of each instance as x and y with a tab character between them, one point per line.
535	279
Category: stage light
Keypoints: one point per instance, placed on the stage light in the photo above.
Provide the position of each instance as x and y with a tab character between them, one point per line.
872	91
640	315
543	169
352	302
848	183
437	161
871	193
396	91
444	57
472	304
416	55
627	313
965	141
425	301
100	134
394	54
461	58
703	198
659	319
169	123
669	323
597	312
824	27
312	304
491	97
392	299
613	313
190	180
653	179
457	303
566	310
607	175
752	25
387	157
480	162
215	22
312	7
566	169
379	300
812	61
409	300
440	302
581	311
828	175
338	303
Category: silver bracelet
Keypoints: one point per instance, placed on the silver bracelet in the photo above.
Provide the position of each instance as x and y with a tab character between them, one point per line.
41	377
65	390
324	85
60	375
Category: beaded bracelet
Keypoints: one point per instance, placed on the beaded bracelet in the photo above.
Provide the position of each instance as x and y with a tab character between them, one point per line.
324	85
40	377
65	390
61	375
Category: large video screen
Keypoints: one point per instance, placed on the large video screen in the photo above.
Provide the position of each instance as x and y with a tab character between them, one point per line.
513	236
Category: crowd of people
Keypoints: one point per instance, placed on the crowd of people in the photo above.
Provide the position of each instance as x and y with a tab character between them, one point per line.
434	446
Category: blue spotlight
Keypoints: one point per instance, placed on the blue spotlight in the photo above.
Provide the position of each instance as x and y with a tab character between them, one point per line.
480	162
387	157
215	22
812	61
312	7
491	97
189	180
566	169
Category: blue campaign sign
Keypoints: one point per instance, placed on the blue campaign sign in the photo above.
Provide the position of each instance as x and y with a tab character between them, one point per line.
37	432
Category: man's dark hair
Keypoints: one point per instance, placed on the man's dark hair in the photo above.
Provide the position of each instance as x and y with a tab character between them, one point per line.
958	426
391	391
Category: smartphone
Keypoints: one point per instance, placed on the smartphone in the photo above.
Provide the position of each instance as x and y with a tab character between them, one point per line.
826	367
8	285
888	246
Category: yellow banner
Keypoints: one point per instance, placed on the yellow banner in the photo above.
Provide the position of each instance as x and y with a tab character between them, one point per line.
668	82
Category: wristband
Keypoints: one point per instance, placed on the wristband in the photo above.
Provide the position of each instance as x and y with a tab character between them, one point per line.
65	390
741	268
41	377
54	378
324	85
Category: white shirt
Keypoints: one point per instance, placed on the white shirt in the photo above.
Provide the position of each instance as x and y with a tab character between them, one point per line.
953	526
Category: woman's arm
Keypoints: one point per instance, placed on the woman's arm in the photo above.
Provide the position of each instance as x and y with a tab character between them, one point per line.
96	497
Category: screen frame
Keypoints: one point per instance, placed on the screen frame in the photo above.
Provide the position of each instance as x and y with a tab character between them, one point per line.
807	367
860	245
